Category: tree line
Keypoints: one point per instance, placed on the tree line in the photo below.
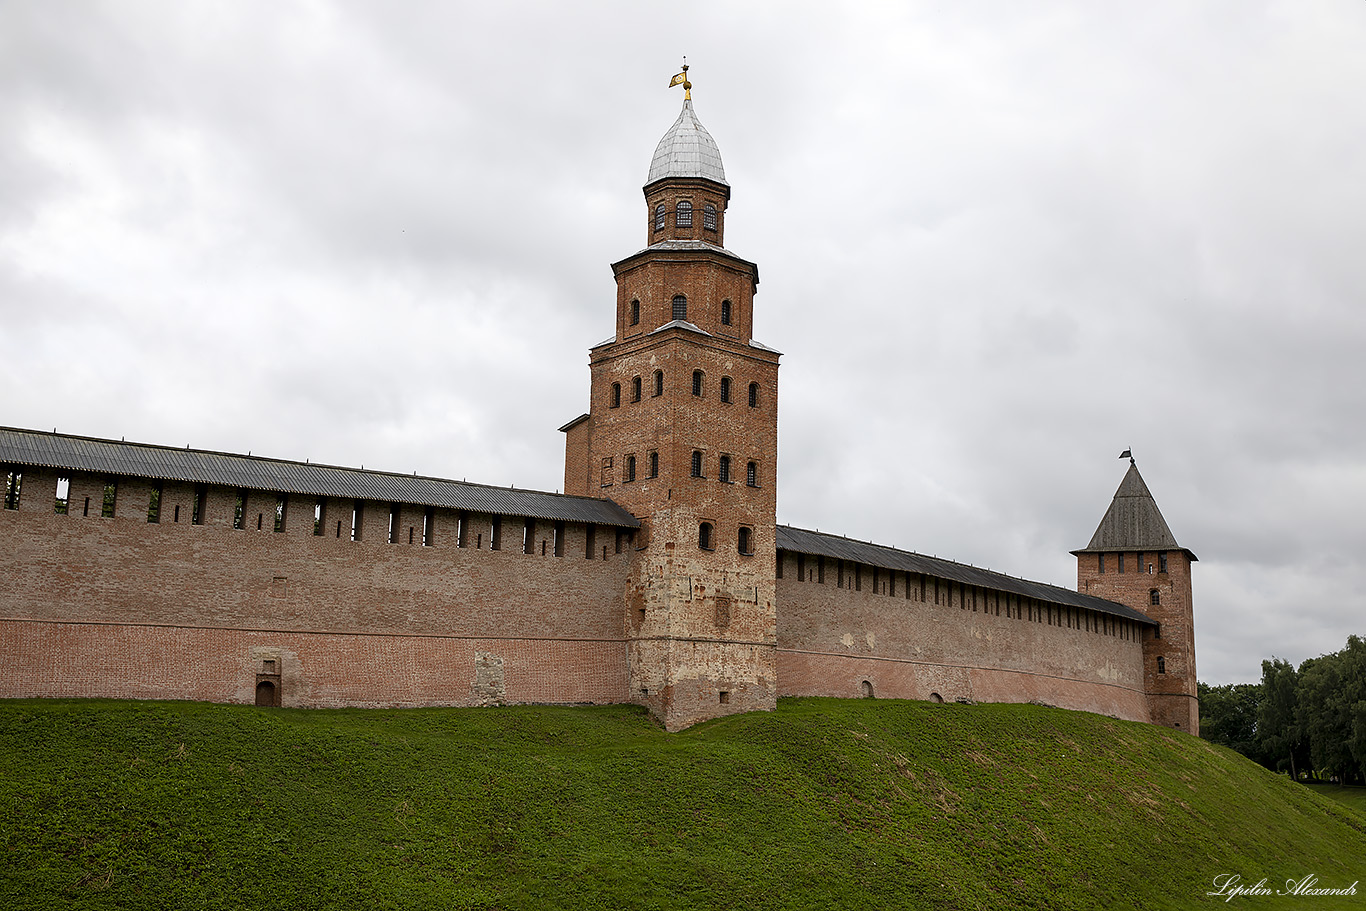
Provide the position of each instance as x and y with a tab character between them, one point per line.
1308	721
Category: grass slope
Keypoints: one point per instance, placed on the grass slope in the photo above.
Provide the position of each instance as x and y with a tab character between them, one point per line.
822	804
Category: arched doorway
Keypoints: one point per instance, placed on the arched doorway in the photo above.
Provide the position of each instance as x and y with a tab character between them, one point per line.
265	693
935	697
867	689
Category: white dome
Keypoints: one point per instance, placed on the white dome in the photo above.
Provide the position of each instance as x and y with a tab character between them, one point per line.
687	150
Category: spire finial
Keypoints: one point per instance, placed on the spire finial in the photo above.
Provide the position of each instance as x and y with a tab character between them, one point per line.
682	78
1128	454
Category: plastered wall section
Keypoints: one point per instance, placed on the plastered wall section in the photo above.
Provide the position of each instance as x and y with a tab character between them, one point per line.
835	641
124	607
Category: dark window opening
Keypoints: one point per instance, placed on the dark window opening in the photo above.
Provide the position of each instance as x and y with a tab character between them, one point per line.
654	464
154	504
635	389
725	389
1100	563
1161	665
87	507
820	570
659	216
630	468
589	536
704	536
746	543
680	310
62	501
319	515
1162	562
659	382
1154	597
754	395
239	510
725	313
529	537
752	474
559	539
683	218
697	382
867	689
281	504
801	568
260	519
1121	562
394	528
14	479
635	313
696	464
723	470
723	696
428	526
357	516
201	493
266	693
778	566
111	492
462	529
709	217
615	400
496	535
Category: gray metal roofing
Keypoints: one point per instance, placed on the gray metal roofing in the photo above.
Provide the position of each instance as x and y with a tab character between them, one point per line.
687	150
801	540
61	451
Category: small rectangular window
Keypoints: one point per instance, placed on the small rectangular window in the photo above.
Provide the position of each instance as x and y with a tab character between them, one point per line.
14	478
559	539
462	529
589	537
111	492
62	502
1162	562
239	510
319	515
281	504
357	519
801	568
529	537
820	570
428	526
778	566
496	536
154	504
1100	563
394	523
201	493
1120	560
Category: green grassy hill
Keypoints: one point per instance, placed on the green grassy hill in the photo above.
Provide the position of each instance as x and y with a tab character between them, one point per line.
822	804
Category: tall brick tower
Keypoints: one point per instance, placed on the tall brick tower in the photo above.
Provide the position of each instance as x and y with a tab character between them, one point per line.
683	432
1134	559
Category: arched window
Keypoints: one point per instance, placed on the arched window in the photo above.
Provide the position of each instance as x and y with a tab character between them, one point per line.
709	217
659	382
635	313
1154	597
725	389
659	216
616	395
680	307
725	313
630	468
684	217
697	382
723	470
746	540
654	464
867	688
752	474
635	389
1161	665
754	395
704	536
696	464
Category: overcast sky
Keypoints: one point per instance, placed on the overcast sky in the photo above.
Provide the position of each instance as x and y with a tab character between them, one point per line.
999	242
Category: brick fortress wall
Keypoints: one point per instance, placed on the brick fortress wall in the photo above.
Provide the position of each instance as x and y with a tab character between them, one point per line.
125	608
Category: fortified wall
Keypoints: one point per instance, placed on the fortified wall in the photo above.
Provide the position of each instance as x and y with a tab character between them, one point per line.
660	577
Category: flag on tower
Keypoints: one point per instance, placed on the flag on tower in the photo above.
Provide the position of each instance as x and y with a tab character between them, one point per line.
678	80
1127	454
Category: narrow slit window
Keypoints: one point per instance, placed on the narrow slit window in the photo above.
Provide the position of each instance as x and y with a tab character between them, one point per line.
654	465
428	526
14	479
201	494
394	523
559	539
154	504
725	313
659	382
462	529
62	502
319	516
630	468
357	519
696	464
529	537
111	493
635	313
615	400
697	382
239	510
754	395
635	389
496	535
725	389
723	470
1161	665
589	540
281	506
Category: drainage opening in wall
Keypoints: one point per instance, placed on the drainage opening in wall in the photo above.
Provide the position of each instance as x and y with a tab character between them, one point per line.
867	689
935	697
725	696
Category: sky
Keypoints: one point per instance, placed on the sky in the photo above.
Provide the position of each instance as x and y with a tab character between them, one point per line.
998	244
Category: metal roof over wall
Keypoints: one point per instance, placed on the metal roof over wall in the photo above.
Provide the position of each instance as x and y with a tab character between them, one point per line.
800	540
197	466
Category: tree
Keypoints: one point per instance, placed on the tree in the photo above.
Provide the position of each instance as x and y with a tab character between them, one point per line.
1279	733
1228	717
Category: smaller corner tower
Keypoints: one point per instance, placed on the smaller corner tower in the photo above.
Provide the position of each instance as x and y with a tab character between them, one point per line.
682	430
1134	559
